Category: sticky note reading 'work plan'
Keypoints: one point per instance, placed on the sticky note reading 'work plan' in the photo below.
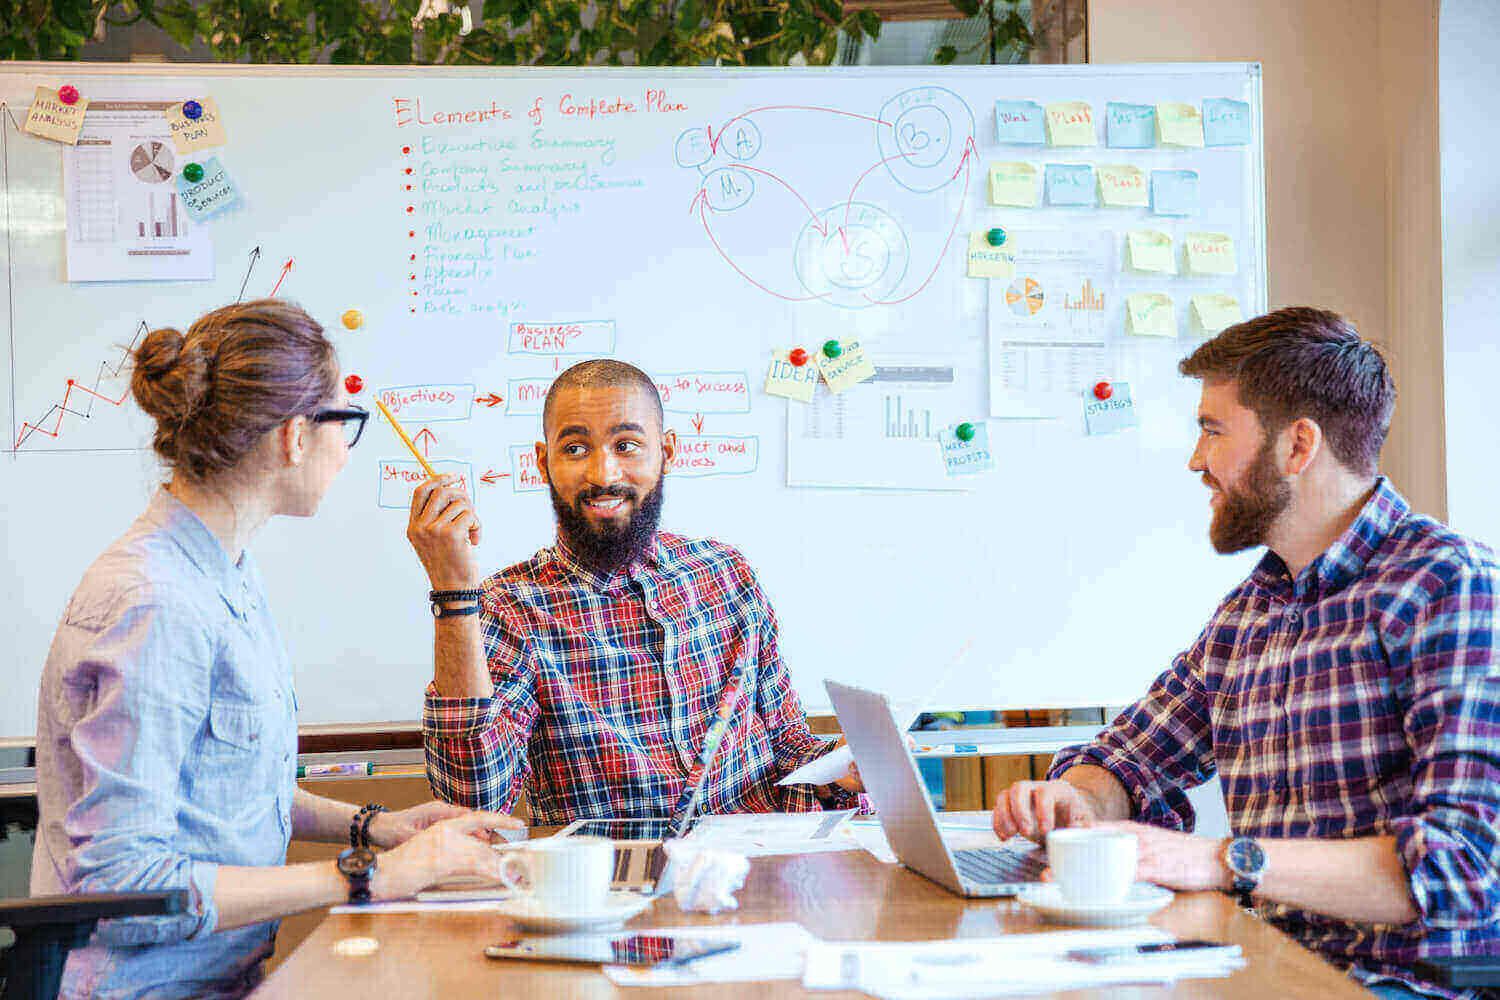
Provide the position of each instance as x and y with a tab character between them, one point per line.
796	382
988	261
1070	184
1216	312
1209	253
1020	123
1149	250
1013	184
1174	192
1071	123
1129	126
209	196
50	118
1107	416
192	134
1179	124
1150	314
1122	186
1225	122
964	458
847	370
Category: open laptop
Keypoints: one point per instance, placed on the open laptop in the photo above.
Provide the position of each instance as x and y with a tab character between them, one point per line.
891	778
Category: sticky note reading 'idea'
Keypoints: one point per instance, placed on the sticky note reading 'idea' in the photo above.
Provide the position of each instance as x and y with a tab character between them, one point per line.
209	196
795	382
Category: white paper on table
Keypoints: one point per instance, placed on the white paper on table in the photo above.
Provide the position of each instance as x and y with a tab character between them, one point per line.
423	906
758	835
828	768
766	951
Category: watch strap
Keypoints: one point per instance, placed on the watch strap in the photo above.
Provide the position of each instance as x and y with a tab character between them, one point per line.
438	611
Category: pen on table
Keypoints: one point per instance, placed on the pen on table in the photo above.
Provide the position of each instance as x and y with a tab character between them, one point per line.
362	769
390	418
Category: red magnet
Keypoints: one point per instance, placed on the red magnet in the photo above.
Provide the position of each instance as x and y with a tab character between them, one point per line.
798	357
354	384
68	94
1103	390
406	149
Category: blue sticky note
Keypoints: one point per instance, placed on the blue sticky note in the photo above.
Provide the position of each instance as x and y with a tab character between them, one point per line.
1174	192
1107	416
963	458
1070	184
1020	123
1225	122
210	195
1129	126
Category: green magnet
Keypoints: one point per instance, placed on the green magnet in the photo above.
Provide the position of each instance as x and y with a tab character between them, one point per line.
965	432
995	237
832	349
193	172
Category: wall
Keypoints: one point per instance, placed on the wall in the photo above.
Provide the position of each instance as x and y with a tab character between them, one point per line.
1350	97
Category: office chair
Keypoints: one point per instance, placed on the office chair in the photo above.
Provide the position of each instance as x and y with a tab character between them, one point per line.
48	927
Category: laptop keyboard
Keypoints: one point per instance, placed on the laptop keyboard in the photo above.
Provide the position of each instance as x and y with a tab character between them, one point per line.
992	865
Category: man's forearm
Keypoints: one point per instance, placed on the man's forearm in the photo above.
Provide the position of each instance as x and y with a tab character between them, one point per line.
1361	880
459	668
317	818
1105	792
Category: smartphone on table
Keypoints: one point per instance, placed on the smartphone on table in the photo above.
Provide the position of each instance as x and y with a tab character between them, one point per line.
612	949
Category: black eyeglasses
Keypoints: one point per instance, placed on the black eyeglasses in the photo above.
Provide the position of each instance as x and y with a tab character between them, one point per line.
352	417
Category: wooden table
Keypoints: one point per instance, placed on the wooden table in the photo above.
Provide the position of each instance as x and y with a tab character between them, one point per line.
847	895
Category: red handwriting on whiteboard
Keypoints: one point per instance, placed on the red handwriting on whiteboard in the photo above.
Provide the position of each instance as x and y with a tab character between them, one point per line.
547	337
409	111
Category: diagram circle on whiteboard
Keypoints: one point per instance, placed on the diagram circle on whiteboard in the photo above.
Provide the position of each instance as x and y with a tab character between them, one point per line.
153	162
727	188
923	134
853	255
741	140
1024	297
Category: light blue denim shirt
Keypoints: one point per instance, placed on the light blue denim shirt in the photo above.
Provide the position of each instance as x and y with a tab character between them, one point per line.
166	746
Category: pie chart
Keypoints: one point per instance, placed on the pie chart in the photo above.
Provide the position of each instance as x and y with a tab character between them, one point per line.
1024	296
152	161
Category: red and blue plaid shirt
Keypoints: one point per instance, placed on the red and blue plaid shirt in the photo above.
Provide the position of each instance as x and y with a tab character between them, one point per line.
1360	699
605	686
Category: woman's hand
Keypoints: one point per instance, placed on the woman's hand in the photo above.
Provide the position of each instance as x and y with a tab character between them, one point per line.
445	849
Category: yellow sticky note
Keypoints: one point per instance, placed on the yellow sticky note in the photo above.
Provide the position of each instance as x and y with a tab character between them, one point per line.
192	134
1013	184
1122	186
847	370
1150	314
987	261
1179	124
1149	250
1210	253
50	118
791	381
1216	312
1071	123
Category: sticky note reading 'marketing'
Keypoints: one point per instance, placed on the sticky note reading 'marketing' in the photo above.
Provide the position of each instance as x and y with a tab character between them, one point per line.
1071	123
989	261
50	118
1179	124
1150	314
1210	253
1013	184
1149	250
1122	186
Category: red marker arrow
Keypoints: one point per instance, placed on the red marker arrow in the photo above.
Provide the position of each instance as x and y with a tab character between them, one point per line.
284	269
431	437
698	422
490	400
492	478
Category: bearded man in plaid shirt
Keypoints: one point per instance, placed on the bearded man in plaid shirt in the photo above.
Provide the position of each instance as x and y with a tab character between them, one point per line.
1345	694
588	674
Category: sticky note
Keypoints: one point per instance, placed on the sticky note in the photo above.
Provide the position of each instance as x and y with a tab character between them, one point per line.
50	118
1129	126
209	196
965	458
1070	184
1225	122
1020	123
1149	250
847	370
192	134
1209	253
986	261
1216	312
1071	123
1174	192
1150	314
1109	416
1122	186
1179	124
1013	184
791	381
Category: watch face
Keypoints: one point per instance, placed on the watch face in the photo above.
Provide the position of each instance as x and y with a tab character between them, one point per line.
357	861
1245	856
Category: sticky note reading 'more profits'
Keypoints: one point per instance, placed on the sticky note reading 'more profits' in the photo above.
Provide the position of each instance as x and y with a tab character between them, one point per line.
1149	250
192	134
1150	314
848	369
966	448
1215	312
795	382
1225	122
1122	186
209	196
989	261
1179	124
1109	416
1210	253
1129	126
1071	123
1013	184
50	118
1020	123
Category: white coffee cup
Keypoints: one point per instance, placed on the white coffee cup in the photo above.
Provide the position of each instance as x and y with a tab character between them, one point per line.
1092	865
561	874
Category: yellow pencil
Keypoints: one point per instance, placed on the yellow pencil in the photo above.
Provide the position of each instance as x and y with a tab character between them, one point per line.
405	439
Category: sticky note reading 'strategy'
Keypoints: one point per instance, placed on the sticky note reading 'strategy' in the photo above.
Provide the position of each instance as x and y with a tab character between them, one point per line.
1215	312
1107	416
50	118
1174	192
1129	126
964	458
192	134
1149	250
1150	314
796	382
209	196
1210	253
1179	124
1020	123
1071	123
1122	186
1070	184
847	370
988	261
1013	184
1225	122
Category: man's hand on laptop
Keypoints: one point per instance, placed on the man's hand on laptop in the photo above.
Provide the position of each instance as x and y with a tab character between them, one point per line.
1034	808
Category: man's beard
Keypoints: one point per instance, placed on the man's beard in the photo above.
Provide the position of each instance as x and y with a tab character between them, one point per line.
607	548
1243	519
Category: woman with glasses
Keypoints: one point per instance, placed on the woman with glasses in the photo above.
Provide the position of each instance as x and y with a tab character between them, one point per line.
167	727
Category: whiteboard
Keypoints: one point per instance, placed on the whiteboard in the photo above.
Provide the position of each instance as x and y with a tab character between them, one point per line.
682	220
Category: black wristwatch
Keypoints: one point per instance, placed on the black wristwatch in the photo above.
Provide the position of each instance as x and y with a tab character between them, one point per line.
1246	861
357	864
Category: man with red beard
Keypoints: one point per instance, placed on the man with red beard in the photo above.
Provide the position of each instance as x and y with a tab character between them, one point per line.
588	675
1346	693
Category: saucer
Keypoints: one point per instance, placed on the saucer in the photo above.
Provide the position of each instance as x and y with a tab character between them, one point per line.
617	908
1140	902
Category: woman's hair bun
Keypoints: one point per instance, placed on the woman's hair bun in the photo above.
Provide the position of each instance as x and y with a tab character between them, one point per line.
167	381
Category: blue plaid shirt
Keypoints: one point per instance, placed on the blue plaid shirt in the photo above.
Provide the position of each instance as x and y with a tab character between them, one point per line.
1361	698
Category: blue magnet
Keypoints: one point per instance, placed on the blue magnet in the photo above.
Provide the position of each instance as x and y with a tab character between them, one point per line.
192	109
